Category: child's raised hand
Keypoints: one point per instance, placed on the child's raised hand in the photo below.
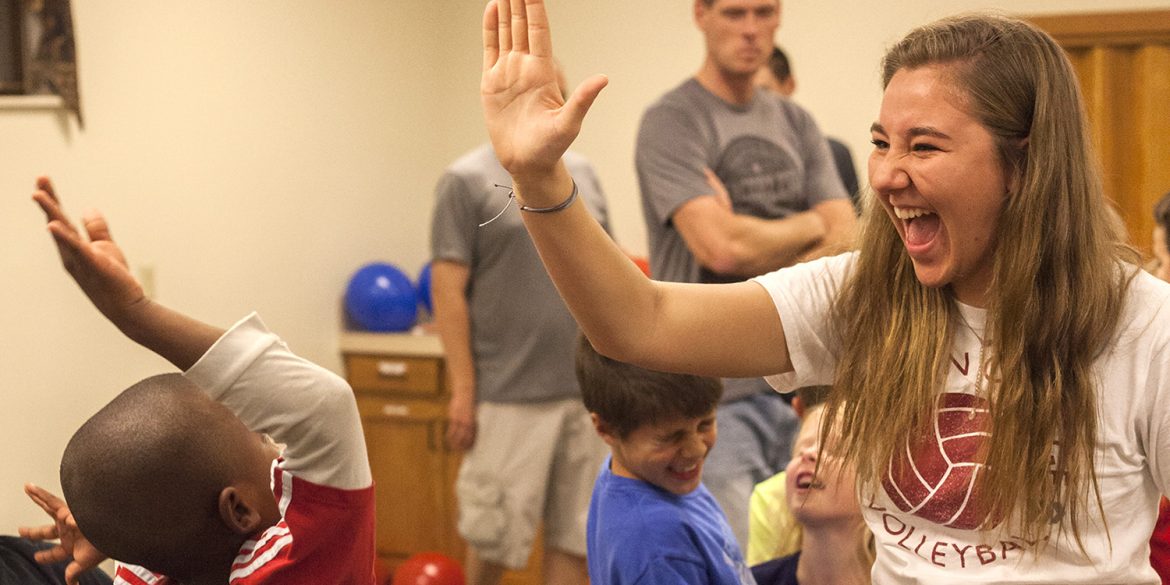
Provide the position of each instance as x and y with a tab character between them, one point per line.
530	123
97	264
73	547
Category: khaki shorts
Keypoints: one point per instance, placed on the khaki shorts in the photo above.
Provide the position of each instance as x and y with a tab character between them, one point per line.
530	462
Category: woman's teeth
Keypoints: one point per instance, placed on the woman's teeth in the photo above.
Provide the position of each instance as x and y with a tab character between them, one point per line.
910	212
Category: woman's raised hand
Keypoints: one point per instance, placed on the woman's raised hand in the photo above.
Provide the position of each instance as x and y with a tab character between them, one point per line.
530	123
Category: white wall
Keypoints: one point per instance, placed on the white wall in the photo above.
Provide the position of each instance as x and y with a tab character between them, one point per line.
255	153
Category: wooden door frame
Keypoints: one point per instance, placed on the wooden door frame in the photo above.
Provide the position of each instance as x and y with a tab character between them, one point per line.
1134	180
1085	29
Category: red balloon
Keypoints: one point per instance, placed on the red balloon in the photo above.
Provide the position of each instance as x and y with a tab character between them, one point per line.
429	568
382	572
642	263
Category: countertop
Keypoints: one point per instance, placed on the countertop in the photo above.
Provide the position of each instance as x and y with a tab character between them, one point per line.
404	344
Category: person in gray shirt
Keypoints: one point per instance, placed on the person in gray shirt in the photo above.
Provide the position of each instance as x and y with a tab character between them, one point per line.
777	76
531	452
737	182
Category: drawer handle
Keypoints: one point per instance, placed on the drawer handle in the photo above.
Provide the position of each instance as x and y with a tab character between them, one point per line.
391	369
395	410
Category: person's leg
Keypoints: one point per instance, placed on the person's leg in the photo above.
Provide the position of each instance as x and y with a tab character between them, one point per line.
727	473
579	455
501	487
754	443
479	571
564	568
777	425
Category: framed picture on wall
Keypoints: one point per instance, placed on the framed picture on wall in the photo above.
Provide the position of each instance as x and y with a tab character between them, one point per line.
37	50
12	53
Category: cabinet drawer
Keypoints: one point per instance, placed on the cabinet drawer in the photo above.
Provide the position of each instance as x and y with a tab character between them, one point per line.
381	410
408	376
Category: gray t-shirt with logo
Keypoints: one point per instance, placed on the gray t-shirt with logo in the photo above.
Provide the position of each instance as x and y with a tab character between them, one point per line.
770	155
523	338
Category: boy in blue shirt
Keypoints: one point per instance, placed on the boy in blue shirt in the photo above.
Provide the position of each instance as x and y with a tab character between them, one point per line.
651	520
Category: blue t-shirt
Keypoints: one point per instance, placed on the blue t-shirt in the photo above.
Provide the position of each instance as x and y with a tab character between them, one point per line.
639	534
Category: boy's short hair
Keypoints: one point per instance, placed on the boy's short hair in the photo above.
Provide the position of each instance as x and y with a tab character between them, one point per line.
142	475
627	396
1162	215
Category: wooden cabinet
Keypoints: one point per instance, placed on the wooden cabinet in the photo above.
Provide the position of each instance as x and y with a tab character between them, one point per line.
402	396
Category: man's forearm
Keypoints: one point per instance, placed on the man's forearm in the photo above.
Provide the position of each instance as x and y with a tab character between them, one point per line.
459	362
841	229
757	246
453	320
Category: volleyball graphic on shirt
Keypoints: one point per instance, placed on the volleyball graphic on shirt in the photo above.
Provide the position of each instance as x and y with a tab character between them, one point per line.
934	476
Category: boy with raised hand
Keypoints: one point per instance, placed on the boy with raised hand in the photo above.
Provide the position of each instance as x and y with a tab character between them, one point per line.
651	520
250	467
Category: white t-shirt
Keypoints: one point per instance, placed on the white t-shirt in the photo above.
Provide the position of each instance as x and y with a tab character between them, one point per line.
922	514
322	482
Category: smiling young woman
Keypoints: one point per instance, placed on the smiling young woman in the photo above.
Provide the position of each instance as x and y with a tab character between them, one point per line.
1000	365
1022	231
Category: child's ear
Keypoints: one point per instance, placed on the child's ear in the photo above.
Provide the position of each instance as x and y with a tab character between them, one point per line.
604	429
237	513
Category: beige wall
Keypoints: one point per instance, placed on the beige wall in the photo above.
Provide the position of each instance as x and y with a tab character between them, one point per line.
253	154
649	46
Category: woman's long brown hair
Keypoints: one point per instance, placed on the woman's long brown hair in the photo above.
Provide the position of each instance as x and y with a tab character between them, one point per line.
1053	303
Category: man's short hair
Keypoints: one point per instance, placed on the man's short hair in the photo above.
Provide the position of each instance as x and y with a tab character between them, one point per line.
779	65
626	397
1162	215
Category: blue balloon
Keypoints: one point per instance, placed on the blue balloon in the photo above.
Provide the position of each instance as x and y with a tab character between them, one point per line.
424	288
380	297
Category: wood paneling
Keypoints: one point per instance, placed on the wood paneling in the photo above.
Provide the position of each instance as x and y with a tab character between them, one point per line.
1123	63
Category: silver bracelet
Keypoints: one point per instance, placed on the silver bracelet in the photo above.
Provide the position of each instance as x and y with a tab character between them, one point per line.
557	207
512	195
